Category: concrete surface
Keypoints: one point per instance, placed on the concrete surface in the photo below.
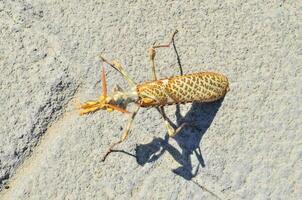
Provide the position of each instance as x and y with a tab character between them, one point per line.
247	146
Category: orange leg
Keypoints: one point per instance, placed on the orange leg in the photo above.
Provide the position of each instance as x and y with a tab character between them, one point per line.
100	104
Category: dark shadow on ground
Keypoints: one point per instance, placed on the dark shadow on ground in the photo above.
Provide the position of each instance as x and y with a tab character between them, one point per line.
200	117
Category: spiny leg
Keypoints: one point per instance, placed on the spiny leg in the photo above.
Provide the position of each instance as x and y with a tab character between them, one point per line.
123	136
92	106
152	53
104	82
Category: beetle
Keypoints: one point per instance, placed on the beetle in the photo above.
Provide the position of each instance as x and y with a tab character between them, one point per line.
195	87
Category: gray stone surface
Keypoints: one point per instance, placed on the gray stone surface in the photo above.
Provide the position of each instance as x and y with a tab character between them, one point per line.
247	146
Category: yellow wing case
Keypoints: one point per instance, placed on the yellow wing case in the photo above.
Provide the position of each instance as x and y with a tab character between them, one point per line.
197	87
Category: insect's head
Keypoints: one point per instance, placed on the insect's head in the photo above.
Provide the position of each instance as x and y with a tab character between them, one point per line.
104	102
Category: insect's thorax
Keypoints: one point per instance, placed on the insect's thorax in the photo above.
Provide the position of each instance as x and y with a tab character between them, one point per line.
122	99
199	87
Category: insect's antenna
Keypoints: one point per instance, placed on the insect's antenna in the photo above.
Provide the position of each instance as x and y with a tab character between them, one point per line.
118	67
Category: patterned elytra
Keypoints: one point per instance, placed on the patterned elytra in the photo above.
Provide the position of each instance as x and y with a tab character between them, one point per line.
197	87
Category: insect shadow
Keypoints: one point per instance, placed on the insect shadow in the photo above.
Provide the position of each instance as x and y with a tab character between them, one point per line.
200	116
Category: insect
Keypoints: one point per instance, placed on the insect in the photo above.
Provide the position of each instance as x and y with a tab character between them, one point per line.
196	87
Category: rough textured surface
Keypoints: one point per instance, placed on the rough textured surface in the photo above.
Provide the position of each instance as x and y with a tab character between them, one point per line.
247	146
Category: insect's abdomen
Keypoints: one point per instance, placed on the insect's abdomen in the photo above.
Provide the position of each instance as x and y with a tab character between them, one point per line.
197	87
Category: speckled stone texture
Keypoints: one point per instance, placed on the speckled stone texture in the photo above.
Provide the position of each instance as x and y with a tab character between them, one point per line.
246	146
